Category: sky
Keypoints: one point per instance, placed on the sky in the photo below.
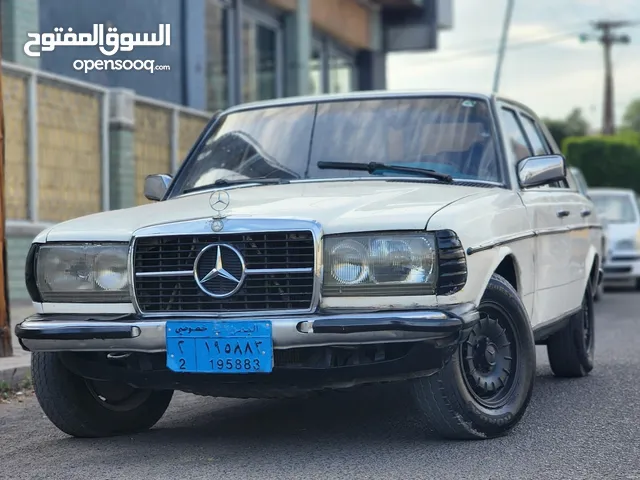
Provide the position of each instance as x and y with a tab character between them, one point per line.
545	66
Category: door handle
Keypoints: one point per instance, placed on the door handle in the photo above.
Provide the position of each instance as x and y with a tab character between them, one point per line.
562	213
585	213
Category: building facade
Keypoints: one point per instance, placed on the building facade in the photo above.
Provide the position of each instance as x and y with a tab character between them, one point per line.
224	52
78	143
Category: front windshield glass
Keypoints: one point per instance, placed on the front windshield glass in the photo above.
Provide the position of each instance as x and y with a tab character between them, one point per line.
615	208
452	135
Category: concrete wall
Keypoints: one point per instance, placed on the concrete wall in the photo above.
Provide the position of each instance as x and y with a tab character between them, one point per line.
18	243
74	148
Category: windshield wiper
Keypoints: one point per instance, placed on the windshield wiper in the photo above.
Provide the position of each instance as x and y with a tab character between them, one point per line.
373	167
227	183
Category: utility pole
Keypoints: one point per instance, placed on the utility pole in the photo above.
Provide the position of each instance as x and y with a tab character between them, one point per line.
503	45
6	350
608	38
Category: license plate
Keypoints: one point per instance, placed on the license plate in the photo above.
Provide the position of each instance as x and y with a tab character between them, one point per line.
215	346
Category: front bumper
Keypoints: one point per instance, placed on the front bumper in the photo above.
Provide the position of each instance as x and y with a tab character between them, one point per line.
622	267
129	333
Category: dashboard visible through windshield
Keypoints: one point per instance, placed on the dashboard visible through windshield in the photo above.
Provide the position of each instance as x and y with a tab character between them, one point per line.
451	135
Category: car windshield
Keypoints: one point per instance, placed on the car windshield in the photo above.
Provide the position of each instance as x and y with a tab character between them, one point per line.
615	208
452	135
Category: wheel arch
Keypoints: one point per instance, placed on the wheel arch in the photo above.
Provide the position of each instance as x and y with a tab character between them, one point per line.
592	266
505	263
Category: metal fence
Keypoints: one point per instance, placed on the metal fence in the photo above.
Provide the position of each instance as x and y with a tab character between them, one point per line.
57	144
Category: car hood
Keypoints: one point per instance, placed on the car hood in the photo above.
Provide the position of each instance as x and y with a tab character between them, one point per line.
339	206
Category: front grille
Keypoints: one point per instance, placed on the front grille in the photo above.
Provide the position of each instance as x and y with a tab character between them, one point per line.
452	263
616	269
279	267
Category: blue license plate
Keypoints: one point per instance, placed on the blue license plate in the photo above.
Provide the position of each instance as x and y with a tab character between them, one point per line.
217	346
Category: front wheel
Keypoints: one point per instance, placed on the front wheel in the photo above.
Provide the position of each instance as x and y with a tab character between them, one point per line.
85	408
484	389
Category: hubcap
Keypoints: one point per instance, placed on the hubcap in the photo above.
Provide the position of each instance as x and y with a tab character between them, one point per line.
118	397
489	359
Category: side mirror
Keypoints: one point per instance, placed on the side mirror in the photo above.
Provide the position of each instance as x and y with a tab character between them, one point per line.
541	170
155	186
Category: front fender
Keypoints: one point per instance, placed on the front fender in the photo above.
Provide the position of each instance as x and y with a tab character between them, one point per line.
591	267
482	265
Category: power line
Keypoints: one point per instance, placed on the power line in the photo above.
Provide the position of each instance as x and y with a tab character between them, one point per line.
535	42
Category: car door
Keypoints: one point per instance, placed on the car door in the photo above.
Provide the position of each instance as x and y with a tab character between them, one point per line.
575	211
545	213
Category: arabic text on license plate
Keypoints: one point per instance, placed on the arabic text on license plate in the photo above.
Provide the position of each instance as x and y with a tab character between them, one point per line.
213	346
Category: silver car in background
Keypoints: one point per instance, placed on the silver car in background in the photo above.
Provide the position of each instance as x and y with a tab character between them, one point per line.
621	209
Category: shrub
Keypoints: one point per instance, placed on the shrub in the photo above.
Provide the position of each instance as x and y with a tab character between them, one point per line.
611	161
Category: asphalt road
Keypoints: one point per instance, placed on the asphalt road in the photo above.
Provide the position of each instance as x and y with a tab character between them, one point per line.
585	428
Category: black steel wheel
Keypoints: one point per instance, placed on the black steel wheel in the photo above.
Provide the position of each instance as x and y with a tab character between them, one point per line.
571	349
484	389
489	358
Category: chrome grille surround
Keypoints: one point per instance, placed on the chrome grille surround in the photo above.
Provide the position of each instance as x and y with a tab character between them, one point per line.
232	226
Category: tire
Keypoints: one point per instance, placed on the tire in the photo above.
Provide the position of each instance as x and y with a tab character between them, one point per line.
74	406
571	349
454	408
599	292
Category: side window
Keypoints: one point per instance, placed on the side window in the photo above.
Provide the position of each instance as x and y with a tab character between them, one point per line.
540	146
572	181
514	135
537	142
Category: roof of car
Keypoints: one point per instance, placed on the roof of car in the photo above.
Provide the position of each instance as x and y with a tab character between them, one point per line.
368	95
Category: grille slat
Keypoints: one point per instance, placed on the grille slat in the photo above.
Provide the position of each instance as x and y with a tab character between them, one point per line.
452	266
260	292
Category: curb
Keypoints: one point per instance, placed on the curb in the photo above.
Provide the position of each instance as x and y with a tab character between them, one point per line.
14	377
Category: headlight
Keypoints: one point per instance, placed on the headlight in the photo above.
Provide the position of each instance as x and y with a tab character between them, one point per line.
82	273
383	264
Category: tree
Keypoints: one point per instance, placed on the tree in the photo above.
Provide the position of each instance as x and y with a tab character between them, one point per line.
573	125
631	117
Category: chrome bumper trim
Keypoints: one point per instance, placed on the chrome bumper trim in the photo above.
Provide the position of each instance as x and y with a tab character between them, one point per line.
131	334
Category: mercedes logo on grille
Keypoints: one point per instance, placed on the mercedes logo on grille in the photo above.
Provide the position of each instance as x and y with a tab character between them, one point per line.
219	270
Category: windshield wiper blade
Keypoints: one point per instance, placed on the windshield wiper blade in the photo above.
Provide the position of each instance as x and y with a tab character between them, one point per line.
372	167
227	183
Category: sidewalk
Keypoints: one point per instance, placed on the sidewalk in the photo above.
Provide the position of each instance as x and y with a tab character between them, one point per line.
15	369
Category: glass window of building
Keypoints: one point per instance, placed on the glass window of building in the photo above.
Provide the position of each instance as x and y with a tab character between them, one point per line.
316	83
260	60
217	22
340	73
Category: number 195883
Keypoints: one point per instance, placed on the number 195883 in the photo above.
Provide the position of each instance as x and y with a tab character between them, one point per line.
222	355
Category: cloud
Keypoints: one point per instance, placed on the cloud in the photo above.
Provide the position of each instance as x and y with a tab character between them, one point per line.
553	76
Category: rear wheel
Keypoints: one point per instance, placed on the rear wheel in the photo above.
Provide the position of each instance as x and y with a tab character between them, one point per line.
599	292
86	408
571	349
484	389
